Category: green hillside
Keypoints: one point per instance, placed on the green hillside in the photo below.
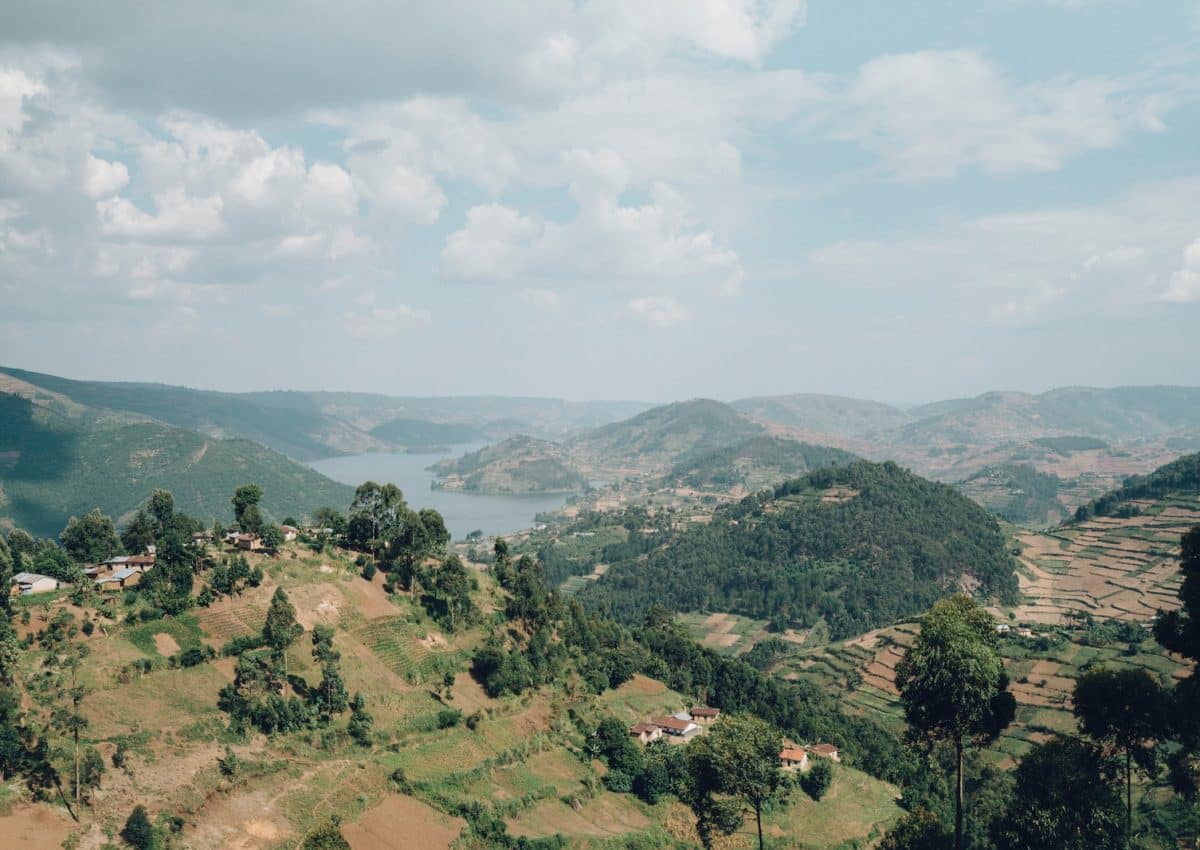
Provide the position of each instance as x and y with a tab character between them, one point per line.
663	434
855	546
52	467
755	463
301	434
826	413
407	432
1178	475
516	465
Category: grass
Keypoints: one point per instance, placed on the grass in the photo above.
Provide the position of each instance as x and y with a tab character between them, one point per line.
856	806
185	630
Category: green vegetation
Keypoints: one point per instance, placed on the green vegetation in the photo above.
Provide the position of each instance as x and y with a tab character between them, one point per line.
1025	494
754	463
53	468
1182	474
661	435
516	465
421	433
858	547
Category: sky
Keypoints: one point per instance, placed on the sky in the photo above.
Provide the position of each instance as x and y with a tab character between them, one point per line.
603	198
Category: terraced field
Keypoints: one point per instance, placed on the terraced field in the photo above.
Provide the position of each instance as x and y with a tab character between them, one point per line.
408	650
1109	567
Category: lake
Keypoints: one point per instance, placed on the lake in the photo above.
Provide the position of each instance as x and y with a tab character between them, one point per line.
463	512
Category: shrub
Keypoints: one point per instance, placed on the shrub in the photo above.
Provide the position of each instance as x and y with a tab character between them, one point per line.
816	782
448	718
138	831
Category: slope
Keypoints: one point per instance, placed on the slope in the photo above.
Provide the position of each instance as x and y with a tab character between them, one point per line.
663	434
53	467
855	546
301	434
824	413
754	463
517	465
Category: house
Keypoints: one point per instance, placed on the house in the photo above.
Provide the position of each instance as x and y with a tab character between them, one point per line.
645	732
202	538
119	580
826	751
704	715
793	758
27	584
682	715
290	532
1003	628
95	571
676	728
249	542
1025	633
141	563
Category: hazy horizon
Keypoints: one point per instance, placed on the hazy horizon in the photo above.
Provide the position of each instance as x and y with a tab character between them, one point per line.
603	200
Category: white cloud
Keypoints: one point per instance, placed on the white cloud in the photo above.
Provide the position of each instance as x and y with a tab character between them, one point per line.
178	218
384	321
541	299
1110	259
103	179
933	113
660	311
1185	283
607	243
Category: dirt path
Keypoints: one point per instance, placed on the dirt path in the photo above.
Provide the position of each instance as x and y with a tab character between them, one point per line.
34	828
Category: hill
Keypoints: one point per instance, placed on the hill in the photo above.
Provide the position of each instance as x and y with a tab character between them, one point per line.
418	433
1017	492
53	466
1181	476
854	547
753	464
1119	413
661	435
440	762
300	434
824	413
516	465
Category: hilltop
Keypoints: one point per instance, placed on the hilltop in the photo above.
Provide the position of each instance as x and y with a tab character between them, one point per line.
311	425
824	413
517	465
753	464
852	547
54	466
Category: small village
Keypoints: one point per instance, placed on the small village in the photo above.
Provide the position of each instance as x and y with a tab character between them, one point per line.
683	726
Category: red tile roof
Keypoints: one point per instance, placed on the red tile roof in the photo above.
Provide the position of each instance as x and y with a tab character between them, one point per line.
641	728
824	749
672	723
788	754
704	711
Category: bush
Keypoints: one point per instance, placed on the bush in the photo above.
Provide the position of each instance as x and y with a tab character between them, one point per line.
138	831
618	781
448	718
369	569
816	782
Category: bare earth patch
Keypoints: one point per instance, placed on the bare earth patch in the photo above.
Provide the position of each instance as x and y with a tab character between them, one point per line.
402	823
165	644
34	828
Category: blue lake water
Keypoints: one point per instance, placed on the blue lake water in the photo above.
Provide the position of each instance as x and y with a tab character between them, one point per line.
463	512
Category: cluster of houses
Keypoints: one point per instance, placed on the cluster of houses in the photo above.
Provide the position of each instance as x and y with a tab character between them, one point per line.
679	727
122	571
794	757
685	725
245	540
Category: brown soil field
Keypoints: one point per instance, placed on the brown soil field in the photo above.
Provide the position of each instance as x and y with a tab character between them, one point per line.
599	818
402	823
34	828
165	644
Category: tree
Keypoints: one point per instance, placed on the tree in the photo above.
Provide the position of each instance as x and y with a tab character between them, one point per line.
375	515
91	770
1179	631
54	562
920	829
272	538
1063	800
330	696
21	544
138	832
6	574
953	687
140	532
162	508
281	628
91	539
1123	711
327	836
245	497
738	761
816	781
361	721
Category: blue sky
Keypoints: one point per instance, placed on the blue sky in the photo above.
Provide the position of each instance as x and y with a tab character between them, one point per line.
902	201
